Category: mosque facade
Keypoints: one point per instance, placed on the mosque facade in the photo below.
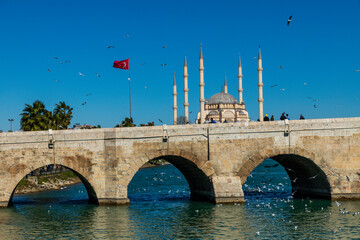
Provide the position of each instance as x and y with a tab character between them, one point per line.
221	107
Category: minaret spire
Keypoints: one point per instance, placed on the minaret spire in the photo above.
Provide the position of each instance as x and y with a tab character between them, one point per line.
225	85
202	84
240	90
186	91
260	85
175	101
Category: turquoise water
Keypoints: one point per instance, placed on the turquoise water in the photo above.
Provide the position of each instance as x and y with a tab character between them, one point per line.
161	209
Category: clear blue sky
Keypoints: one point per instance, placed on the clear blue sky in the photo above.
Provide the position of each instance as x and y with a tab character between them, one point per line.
320	47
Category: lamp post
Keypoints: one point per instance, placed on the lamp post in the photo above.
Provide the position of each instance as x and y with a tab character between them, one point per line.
11	120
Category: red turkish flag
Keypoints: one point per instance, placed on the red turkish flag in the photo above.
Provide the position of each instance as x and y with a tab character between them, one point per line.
124	64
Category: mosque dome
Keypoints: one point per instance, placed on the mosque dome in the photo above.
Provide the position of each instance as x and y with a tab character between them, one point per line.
223	98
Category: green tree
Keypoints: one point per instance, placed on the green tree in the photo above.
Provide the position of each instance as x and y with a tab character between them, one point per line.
128	122
34	117
62	115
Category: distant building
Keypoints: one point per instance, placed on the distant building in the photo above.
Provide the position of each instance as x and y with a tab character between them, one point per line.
221	107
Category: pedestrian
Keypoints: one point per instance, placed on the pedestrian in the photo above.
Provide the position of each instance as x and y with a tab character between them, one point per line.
282	117
272	118
266	118
302	117
212	120
287	116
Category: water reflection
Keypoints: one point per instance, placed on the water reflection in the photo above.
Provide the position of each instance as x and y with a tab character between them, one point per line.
159	214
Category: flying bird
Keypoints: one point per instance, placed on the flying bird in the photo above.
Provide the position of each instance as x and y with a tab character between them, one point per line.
83	103
49	70
67	61
111	47
313	177
127	35
56	58
357	70
163	64
160	121
283	89
146	87
289	20
280	66
89	94
81	74
273	86
143	63
305	83
314	106
164	46
56	80
97	74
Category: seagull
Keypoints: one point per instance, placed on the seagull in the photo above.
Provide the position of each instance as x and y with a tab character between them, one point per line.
315	100
111	47
294	180
89	94
314	106
273	86
56	58
67	61
56	80
143	63
83	103
163	64
81	74
49	70
283	89
305	83
289	20
313	177
254	57
97	74
164	46
127	35
357	70
280	66
146	87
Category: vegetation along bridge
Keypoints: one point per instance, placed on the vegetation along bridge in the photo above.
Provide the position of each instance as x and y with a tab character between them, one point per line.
321	157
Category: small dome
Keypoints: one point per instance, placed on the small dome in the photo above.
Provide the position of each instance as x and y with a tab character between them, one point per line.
222	98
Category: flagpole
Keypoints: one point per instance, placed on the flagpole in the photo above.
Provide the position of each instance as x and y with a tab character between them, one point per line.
129	89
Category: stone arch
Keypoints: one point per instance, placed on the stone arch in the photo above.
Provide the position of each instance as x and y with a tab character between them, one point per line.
15	172
307	171
198	172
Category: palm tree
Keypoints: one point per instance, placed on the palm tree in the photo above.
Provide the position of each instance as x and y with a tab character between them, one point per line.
62	115
35	117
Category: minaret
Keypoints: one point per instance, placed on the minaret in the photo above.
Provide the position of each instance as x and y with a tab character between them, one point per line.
186	91
260	85
175	101
240	90
202	84
225	85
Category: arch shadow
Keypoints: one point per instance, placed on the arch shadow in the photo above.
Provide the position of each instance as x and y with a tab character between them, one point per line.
93	199
308	180
201	187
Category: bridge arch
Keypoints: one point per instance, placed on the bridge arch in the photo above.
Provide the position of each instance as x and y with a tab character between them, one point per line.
308	172
197	172
17	172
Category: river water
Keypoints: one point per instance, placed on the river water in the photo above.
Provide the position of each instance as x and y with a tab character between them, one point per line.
161	209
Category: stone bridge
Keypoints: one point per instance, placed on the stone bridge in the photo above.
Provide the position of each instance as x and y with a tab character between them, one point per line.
216	159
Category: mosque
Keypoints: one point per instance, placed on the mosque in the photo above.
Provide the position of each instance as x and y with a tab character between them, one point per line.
221	107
